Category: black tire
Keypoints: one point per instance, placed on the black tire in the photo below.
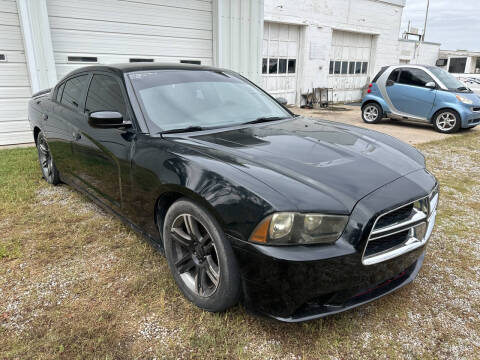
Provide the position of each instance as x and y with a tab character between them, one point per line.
372	113
447	121
47	165
200	258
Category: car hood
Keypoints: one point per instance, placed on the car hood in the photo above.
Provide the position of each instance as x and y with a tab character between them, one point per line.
318	165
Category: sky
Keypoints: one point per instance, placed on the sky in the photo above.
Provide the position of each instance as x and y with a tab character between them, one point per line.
453	23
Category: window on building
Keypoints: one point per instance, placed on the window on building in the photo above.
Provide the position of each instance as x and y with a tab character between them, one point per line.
344	67
104	94
90	59
3	57
292	66
351	67
364	67
282	66
338	65
273	66
73	91
193	62
457	65
477	66
132	60
332	65
264	66
414	77
358	67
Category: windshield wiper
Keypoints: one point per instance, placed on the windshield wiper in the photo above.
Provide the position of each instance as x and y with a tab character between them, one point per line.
462	88
182	130
266	119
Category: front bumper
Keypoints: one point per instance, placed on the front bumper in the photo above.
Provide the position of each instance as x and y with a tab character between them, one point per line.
298	283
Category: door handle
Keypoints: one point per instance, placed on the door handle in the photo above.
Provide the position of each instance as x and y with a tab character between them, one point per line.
76	136
45	117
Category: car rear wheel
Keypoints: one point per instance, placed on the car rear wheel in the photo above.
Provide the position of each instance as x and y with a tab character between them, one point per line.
372	113
200	258
47	165
447	121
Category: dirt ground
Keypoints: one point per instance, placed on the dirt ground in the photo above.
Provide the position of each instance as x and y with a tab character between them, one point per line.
413	134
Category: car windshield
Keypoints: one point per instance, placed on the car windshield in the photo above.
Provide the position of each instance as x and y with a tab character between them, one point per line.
199	99
450	81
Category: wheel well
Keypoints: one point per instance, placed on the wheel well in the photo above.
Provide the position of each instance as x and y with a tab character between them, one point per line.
443	109
162	205
36	131
370	102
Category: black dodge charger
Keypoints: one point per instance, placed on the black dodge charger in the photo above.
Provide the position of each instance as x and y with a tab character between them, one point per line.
298	218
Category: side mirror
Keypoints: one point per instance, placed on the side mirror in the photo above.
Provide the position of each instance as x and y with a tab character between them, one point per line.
431	85
282	101
106	119
390	82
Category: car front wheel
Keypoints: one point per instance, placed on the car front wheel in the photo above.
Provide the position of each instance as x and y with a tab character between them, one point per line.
447	121
200	258
372	113
47	165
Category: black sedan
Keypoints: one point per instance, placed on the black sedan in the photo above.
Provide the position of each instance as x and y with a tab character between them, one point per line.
298	218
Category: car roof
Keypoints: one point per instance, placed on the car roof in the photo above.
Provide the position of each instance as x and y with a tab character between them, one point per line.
140	66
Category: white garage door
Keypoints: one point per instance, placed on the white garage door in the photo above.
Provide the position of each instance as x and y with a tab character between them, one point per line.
14	80
113	31
280	60
349	65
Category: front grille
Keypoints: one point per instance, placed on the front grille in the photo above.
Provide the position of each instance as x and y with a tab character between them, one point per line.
401	230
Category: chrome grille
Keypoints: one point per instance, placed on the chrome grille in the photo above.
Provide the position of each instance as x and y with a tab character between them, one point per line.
401	230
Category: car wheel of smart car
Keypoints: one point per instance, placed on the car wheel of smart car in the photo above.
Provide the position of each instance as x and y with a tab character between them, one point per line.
372	113
200	258
47	165
447	121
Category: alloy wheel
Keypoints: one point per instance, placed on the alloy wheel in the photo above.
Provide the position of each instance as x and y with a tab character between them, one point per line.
46	161
446	121
196	258
370	113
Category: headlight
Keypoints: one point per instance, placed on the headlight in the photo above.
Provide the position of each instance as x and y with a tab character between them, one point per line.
294	228
464	100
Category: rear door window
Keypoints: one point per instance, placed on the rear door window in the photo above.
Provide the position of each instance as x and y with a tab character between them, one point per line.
394	75
415	77
73	91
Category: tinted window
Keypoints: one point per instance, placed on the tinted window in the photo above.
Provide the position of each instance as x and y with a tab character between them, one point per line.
394	75
59	92
105	94
351	67
358	67
344	67
382	70
364	67
414	77
457	65
264	65
73	90
332	63
338	65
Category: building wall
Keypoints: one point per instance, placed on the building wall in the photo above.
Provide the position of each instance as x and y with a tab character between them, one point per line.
472	60
414	52
319	18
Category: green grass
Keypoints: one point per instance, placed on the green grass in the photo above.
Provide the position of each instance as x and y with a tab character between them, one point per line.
75	283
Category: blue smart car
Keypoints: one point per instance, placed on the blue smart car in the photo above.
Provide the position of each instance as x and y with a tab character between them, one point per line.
422	94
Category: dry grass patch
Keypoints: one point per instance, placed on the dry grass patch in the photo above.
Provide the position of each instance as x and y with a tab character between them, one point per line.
76	283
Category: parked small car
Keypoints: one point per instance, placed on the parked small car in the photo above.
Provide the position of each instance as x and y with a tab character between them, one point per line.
299	218
425	94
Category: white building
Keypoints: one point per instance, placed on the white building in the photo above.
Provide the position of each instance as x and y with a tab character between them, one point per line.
460	61
337	44
42	40
415	52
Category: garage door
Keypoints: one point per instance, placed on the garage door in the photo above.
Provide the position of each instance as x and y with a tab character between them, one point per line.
349	65
14	80
113	31
280	54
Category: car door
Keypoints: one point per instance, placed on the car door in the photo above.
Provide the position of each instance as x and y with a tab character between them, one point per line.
102	155
66	111
407	92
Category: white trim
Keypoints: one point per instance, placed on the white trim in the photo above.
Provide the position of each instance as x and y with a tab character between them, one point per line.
353	30
35	27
